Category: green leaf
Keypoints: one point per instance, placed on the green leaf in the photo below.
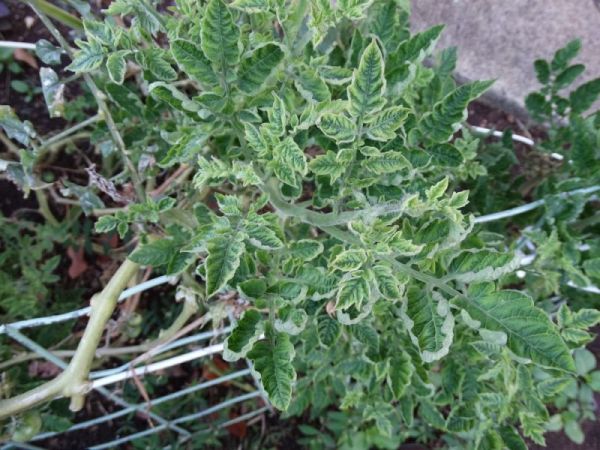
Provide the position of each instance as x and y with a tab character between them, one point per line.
444	120
291	321
349	260
305	249
399	375
23	132
251	6
353	291
431	415
47	52
291	155
272	358
328	330
552	386
193	62
366	92
154	60
335	75
584	96
537	104
255	138
53	91
530	332
116	66
256	69
243	336
338	127
574	432
285	173
311	86
482	265
329	165
88	58
224	253
430	323
388	162
542	70
220	35
567	76
156	253
564	55
387	283
383	126
585	318
278	116
512	439
411	52
445	155
261	236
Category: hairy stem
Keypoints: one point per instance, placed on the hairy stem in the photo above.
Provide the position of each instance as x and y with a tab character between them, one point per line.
73	381
69	131
102	106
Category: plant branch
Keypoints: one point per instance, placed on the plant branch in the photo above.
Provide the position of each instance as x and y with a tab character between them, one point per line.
73	381
69	131
100	100
301	214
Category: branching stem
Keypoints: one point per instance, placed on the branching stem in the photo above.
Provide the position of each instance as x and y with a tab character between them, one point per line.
73	381
100	100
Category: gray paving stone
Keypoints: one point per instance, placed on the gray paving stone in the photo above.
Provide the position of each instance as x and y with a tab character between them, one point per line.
501	38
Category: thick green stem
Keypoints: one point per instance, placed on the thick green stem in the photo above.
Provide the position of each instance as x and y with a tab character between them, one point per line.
322	221
73	381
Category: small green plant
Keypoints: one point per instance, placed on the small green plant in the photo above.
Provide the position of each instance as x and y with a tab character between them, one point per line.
327	193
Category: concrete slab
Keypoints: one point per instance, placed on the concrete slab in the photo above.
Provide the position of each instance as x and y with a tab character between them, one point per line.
501	39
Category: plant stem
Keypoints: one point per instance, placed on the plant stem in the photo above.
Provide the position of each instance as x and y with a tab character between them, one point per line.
63	134
100	100
44	208
73	381
344	236
9	144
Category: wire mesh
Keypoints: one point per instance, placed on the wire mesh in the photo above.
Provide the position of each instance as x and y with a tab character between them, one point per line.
116	376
